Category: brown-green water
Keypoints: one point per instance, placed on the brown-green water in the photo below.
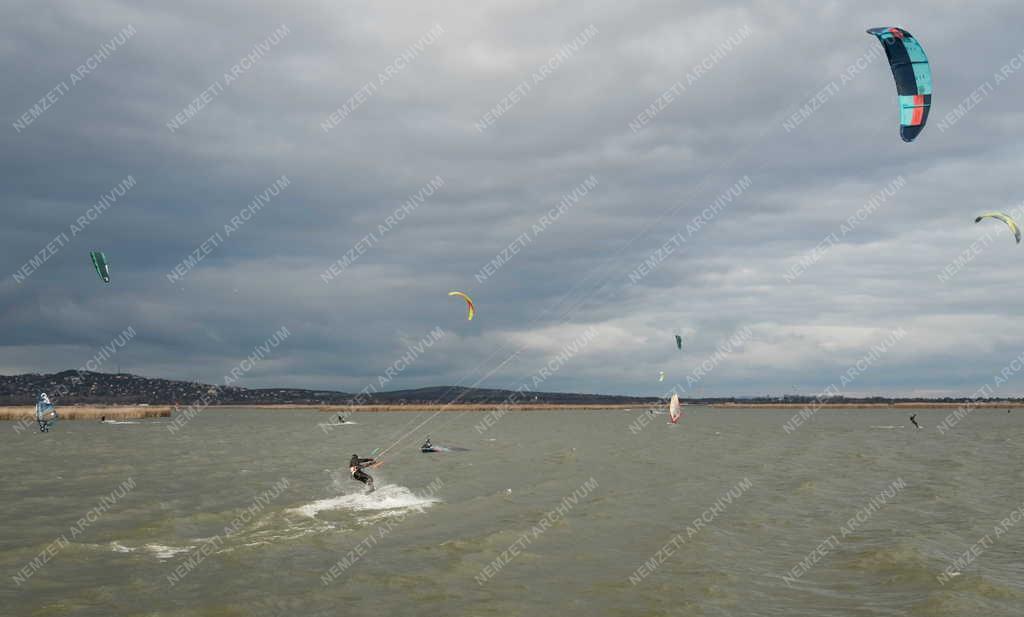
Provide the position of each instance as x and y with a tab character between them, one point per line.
247	512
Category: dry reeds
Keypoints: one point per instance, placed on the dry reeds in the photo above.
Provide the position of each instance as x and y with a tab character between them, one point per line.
89	412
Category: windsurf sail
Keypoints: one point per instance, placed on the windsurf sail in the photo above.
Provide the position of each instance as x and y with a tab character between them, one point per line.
46	413
674	410
661	375
99	263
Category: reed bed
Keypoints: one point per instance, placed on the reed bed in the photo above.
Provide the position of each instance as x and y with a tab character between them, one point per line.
89	412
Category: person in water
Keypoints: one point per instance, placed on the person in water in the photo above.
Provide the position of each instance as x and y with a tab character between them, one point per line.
355	465
913	420
427	445
103	418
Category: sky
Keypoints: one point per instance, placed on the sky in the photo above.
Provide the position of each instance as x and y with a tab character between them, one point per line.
294	188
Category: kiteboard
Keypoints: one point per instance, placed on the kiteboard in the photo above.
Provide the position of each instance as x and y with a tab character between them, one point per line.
439	449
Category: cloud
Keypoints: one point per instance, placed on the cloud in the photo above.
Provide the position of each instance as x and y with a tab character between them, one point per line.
573	123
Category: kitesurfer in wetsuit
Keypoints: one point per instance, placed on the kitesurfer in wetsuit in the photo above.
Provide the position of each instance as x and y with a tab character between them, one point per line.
913	419
103	418
355	465
427	446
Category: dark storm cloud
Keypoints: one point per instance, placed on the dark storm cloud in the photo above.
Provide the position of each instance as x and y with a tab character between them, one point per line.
714	83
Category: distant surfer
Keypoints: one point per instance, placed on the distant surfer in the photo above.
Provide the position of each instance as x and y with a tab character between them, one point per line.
355	465
913	420
427	446
46	413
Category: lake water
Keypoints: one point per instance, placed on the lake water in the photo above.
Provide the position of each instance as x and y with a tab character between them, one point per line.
253	512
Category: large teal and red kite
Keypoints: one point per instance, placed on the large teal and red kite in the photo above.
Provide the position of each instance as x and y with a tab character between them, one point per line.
913	77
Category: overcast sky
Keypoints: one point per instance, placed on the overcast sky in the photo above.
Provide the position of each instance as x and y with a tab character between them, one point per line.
509	107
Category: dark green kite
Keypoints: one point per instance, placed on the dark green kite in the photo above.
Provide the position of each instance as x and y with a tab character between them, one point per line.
99	263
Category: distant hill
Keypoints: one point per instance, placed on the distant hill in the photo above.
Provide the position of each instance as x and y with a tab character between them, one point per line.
70	387
447	394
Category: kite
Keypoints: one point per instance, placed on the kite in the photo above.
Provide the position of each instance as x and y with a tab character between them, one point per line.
469	303
1004	218
913	75
99	263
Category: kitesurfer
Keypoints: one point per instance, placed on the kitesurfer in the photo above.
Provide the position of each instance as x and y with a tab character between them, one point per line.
913	420
355	465
427	446
103	418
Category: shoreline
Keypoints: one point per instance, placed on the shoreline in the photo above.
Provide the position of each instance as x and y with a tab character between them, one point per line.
457	407
89	412
139	412
906	405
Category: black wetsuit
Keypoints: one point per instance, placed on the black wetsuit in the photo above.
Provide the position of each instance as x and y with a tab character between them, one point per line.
914	421
355	465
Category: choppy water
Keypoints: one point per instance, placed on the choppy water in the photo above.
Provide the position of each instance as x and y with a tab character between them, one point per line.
253	513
